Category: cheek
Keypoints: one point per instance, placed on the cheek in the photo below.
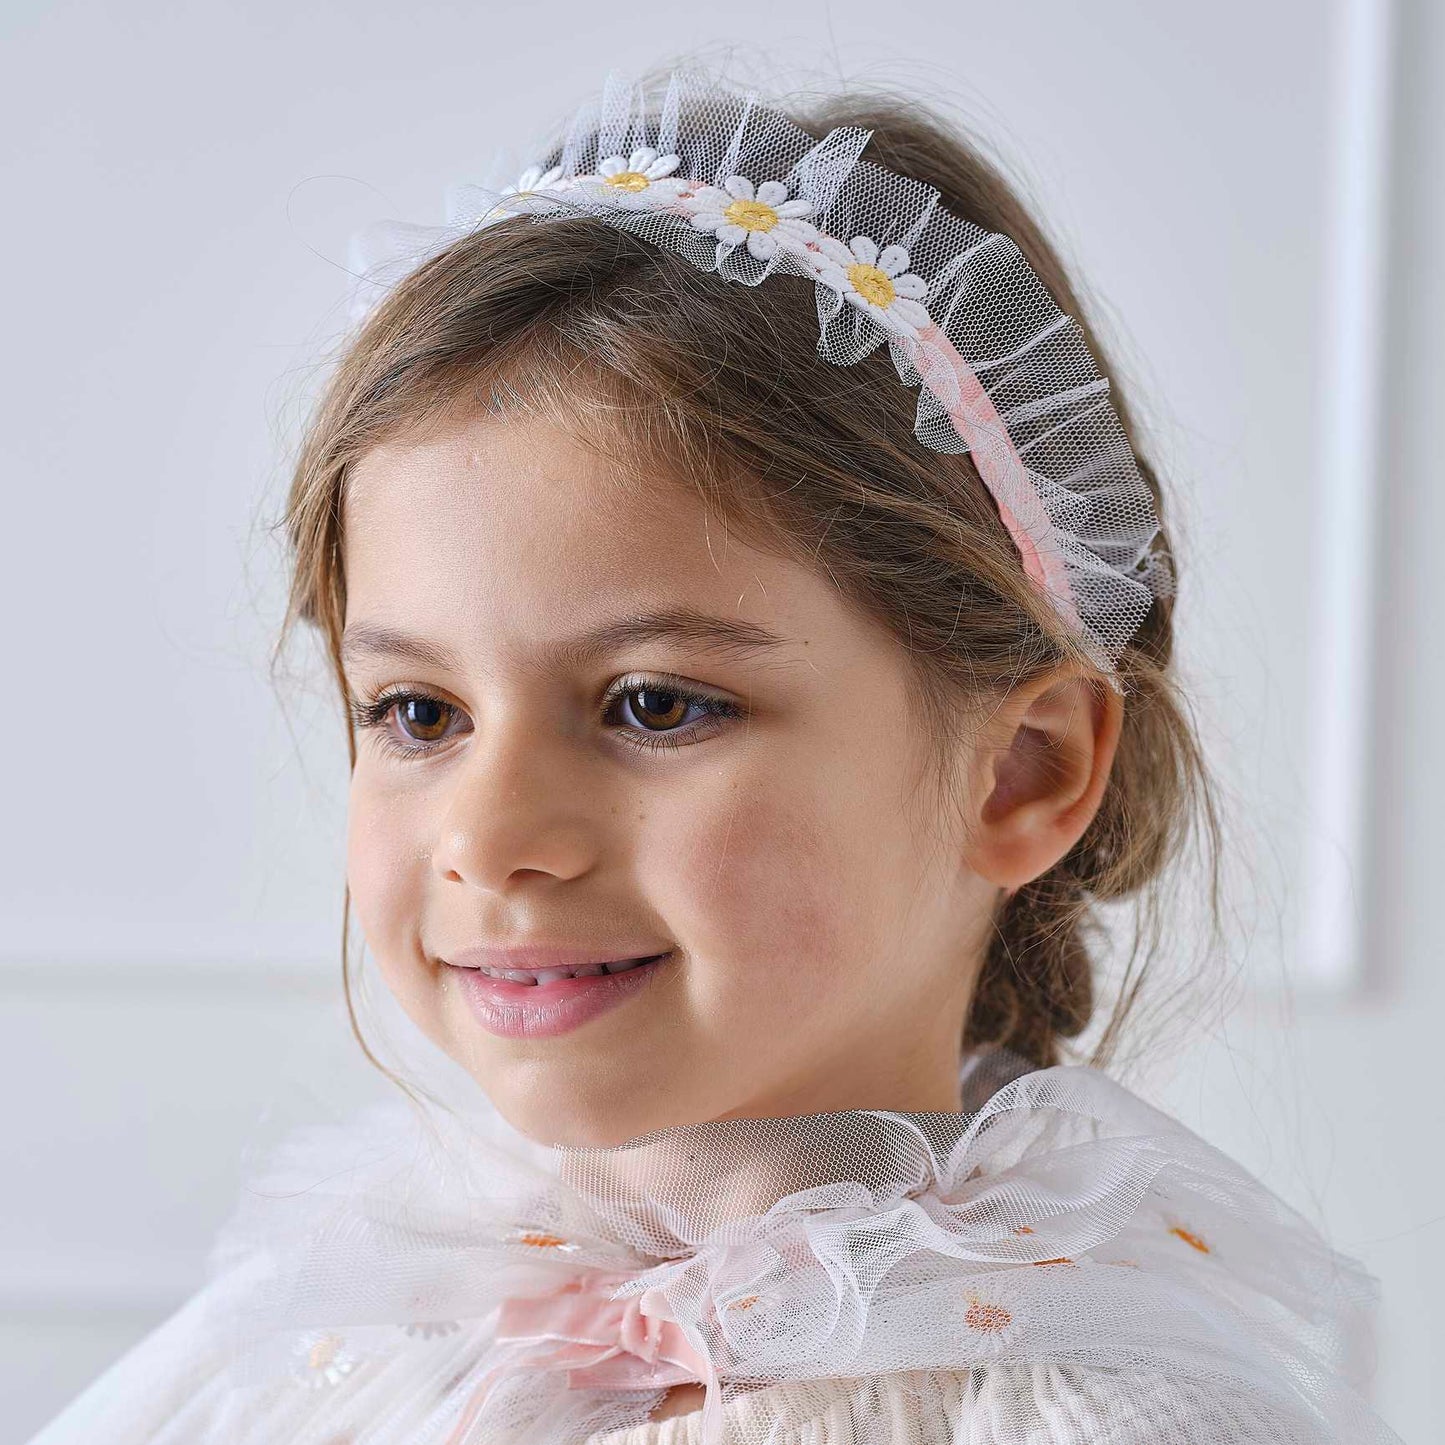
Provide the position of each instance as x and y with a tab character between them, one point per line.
769	890
385	880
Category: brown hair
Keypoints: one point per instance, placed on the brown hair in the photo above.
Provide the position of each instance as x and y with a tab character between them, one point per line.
722	384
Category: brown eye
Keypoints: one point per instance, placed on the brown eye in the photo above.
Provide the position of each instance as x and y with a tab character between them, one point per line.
663	714
419	716
656	707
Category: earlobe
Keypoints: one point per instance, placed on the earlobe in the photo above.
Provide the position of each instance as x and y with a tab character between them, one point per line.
1049	757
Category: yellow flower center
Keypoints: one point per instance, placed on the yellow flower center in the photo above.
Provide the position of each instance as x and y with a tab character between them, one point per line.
986	1317
543	1241
629	181
752	215
872	284
1191	1239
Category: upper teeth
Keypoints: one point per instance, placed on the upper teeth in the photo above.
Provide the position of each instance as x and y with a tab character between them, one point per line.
547	975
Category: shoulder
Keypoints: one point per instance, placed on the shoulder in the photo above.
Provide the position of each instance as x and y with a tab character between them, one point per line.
1023	1404
996	1404
167	1379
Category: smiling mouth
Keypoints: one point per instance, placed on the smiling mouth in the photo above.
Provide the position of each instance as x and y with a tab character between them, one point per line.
540	978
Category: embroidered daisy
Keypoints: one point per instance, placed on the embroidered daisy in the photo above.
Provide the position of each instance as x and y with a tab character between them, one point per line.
642	178
878	283
323	1359
545	1239
534	178
431	1329
764	217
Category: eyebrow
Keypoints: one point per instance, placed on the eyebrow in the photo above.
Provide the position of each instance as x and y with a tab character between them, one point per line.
731	637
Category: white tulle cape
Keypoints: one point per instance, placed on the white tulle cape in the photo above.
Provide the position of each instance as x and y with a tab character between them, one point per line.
1059	1257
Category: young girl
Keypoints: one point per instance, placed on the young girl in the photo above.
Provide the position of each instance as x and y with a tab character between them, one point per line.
754	623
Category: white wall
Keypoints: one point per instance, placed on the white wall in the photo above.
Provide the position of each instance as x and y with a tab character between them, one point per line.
181	184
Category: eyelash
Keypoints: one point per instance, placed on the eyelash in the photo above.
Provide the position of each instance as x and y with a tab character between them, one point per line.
370	715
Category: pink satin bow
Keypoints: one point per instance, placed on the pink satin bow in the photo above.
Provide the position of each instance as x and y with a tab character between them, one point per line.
632	1343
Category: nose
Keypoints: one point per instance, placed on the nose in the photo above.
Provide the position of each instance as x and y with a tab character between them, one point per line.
518	805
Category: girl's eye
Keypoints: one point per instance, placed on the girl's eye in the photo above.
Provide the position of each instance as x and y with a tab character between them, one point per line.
423	720
652	714
660	709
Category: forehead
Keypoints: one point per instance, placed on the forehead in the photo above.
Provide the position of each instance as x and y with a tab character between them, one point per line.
511	524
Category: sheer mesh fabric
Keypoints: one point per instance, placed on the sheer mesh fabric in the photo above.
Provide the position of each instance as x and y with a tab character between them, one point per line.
1058	1261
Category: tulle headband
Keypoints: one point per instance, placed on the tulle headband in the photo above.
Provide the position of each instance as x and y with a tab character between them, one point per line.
739	189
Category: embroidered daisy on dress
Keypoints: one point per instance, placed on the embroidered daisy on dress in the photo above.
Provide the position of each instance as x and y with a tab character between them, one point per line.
323	1359
430	1329
764	217
985	1316
877	283
1190	1238
544	1239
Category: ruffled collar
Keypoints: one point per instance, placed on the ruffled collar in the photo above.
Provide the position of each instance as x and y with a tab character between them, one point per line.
554	1293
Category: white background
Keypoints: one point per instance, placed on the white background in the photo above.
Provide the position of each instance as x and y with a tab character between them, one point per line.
180	185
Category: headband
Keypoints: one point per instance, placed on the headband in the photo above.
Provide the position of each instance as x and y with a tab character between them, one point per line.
739	189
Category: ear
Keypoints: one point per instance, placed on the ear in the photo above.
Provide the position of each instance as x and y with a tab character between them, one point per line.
1043	765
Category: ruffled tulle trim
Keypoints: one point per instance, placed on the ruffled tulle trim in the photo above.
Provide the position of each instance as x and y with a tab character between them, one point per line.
438	1279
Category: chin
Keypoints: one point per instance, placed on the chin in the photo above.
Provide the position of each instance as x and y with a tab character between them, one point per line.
551	1112
574	1137
567	1128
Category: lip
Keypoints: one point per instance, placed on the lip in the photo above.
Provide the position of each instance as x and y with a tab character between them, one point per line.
544	1010
537	956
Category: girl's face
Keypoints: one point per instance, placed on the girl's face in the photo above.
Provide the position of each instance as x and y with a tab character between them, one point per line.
626	733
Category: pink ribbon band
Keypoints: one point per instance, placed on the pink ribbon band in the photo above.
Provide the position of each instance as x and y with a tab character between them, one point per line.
631	1343
976	420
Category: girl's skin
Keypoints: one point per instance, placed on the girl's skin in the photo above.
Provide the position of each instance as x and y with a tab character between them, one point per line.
827	910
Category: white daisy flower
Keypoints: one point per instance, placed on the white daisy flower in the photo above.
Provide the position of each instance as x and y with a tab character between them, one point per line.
764	217
534	178
642	178
323	1359
878	283
430	1329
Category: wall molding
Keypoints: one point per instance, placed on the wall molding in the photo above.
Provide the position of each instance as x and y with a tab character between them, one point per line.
1332	899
